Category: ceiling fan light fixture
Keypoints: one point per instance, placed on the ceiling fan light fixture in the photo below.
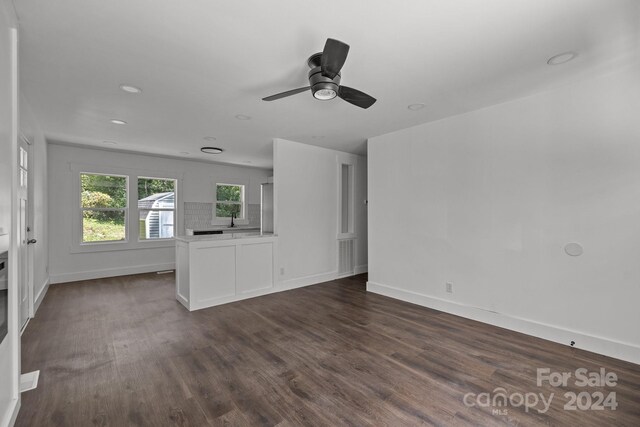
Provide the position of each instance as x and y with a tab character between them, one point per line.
323	88
325	94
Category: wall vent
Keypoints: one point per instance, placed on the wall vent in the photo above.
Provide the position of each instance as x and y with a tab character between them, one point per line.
346	256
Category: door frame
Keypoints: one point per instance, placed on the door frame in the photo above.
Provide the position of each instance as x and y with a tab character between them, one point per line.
23	141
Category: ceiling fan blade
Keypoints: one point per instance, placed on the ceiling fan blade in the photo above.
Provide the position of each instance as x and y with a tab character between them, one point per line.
356	97
285	94
333	57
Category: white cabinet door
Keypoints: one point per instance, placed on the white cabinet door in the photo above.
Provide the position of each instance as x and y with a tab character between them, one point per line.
213	269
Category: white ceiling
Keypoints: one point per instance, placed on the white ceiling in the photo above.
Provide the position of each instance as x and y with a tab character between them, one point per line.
202	62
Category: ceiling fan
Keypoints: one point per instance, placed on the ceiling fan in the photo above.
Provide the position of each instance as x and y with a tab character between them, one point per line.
324	77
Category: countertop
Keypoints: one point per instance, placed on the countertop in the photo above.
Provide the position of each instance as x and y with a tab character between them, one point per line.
227	228
206	237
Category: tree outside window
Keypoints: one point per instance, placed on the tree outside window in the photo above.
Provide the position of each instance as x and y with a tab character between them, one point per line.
229	201
104	207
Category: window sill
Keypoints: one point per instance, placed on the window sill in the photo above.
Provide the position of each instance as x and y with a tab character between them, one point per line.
159	240
121	246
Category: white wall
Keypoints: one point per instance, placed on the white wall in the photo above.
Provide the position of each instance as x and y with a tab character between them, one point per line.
37	200
487	200
10	346
306	212
198	180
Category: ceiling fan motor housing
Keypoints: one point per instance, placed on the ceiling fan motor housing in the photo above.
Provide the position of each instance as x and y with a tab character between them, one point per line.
318	82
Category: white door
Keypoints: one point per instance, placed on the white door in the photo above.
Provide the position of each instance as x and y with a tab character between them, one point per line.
23	242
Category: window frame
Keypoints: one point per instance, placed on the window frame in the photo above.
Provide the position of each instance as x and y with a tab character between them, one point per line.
174	210
216	220
132	242
346	160
83	209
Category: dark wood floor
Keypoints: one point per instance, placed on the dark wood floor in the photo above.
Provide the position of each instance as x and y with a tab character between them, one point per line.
123	351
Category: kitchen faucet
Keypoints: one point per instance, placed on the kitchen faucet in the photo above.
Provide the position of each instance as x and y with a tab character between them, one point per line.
232	216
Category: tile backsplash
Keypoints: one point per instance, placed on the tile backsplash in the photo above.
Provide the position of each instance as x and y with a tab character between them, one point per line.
198	216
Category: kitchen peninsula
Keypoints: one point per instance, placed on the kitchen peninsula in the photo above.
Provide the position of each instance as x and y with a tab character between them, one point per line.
222	268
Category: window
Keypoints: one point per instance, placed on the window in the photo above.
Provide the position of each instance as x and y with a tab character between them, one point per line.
156	208
124	208
346	218
346	205
229	201
103	202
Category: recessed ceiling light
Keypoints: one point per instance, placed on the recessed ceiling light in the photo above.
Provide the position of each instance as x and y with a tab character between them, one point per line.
209	138
110	142
416	107
562	58
130	89
242	117
184	152
118	122
211	150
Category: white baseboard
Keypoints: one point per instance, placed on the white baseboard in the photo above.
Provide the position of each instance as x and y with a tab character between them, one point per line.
40	296
182	300
24	327
596	344
361	269
109	272
315	279
301	282
281	287
199	305
12	413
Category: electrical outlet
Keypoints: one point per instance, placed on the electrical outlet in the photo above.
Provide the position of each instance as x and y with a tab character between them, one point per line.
449	287
282	271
